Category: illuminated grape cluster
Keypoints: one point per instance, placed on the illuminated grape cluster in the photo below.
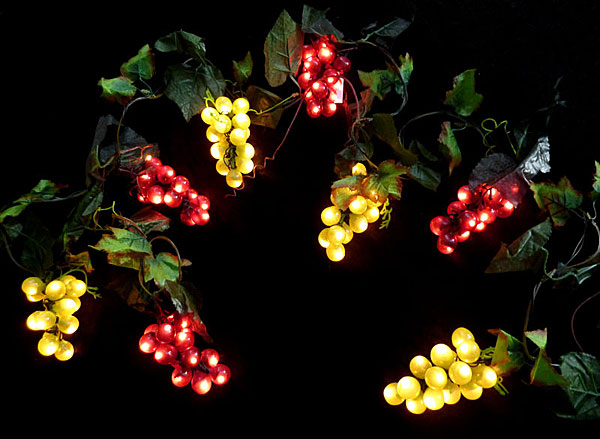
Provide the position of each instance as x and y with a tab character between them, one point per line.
61	299
342	223
228	131
322	77
472	212
172	342
159	184
443	378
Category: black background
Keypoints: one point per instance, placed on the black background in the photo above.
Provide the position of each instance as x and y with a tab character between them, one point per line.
311	343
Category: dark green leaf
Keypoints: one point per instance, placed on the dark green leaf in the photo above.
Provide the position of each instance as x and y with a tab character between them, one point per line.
596	183
539	337
380	82
260	100
37	251
119	89
385	182
139	66
149	220
463	97
187	86
527	252
81	259
81	215
418	148
384	128
449	147
582	371
347	158
343	196
406	68
544	374
315	21
44	190
389	30
425	176
183	43
508	354
122	240
557	199
282	49
352	182
162	268
125	283
243	69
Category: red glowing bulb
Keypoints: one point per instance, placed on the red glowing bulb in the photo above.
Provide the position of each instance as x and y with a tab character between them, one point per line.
492	196
209	357
185	217
165	174
312	65
305	79
314	108
439	224
220	374
165	332
464	194
342	64
486	215
172	198
190	357
506	209
152	162
468	220
148	343
308	52
155	194
184	339
186	322
201	382
146	178
480	227
181	376
326	53
199	216
456	207
180	184
142	198
463	236
151	328
329	109
445	249
165	353
203	202
319	89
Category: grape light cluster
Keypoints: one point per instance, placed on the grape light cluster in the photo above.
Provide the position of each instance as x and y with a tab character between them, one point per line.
443	378
321	77
159	184
472	212
228	131
343	223
61	299
172	342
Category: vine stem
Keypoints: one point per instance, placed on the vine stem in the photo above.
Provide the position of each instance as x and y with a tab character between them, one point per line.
573	318
439	113
358	120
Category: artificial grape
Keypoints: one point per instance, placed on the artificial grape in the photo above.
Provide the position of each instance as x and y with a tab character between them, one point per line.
451	393
180	184
439	225
418	366
32	286
186	322
152	162
442	355
433	398
213	135
460	373
155	194
65	307
45	320
240	106
467	220
416	406
359	169
390	394
184	339
456	207
336	234
190	357
222	124
506	209
245	166
468	351
199	216
319	89
165	174
234	178
485	376
326	53
323	238
64	351
409	387
331	215
209	357
305	79
220	374
185	217
480	227
241	120
349	233
181	376
67	324
436	377
223	105
460	335
165	353
308	51
48	344
314	108
76	288
165	332
471	390
312	65
208	115
358	205
329	109
55	290
238	137
148	343
492	197
172	199
463	236
358	223
222	167
245	151
464	194
371	214
342	64
217	150
335	252
202	201
446	243
486	215
201	382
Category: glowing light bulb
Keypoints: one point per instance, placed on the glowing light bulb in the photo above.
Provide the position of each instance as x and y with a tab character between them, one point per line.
358	223
442	355
64	351
48	344
217	150
238	137
416	406
480	227
234	178
241	120
223	105
199	216
32	286
460	335
336	234
358	205
65	307
165	353
45	320
55	290
349	233
244	165
222	124
240	106
436	377
180	184
184	339
433	398
181	376
335	252
419	365
331	215
468	351
371	214
464	194
460	373
213	135
390	394
409	387
32	321
35	297
208	115
439	224
220	374
201	382
359	169
165	174
323	238
246	151
67	324
506	209
155	194
451	393
471	390
222	167
485	376
209	357
76	288
190	357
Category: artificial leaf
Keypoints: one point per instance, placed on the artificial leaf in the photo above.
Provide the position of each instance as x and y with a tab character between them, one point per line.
544	374
417	147
384	128
406	68
538	159
539	337
596	183
315	21
425	176
261	100
342	197
491	168
123	241
162	267
352	182
243	69
463	97
557	199
582	372
81	259
381	82
345	159
125	283
44	190
187	86
139	66
282	49
81	215
186	300
149	220
527	252
385	182
184	43
508	353
389	30
37	251
120	89
449	147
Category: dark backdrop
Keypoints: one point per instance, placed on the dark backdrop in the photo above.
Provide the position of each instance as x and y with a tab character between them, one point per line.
311	343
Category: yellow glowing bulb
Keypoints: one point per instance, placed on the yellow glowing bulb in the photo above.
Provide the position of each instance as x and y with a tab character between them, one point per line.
358	223
55	290
240	105
222	167
234	178
436	377
451	393
460	335
358	205
48	344
223	105
371	214
433	398
217	150
244	165
32	321
442	355
64	351
67	278
76	288
485	376
65	307
45	320
32	286
238	137
336	234
471	390
349	233
419	365
68	324
246	151
335	252
416	406
331	215
468	351
241	120
323	238
213	135
390	394
460	373
208	115
359	169
35	297
409	387
222	124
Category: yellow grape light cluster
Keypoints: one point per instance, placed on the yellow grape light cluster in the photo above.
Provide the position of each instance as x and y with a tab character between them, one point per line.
228	131
443	378
61	299
343	223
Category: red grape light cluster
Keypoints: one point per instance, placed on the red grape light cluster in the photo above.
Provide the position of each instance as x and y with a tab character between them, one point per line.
172	342
321	77
472	212
159	184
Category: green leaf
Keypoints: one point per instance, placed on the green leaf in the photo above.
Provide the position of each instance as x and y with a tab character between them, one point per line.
417	147
260	100
352	182
149	220
425	176
187	86
81	215
184	43
81	259
161	268
539	337
508	354
380	81
449	147
384	128
123	241
389	30
557	199
345	159
186	299
120	89
343	196
139	66
406	68
44	190
385	182
527	252
463	97
243	69
37	253
315	21
544	374
582	371
282	49
596	183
